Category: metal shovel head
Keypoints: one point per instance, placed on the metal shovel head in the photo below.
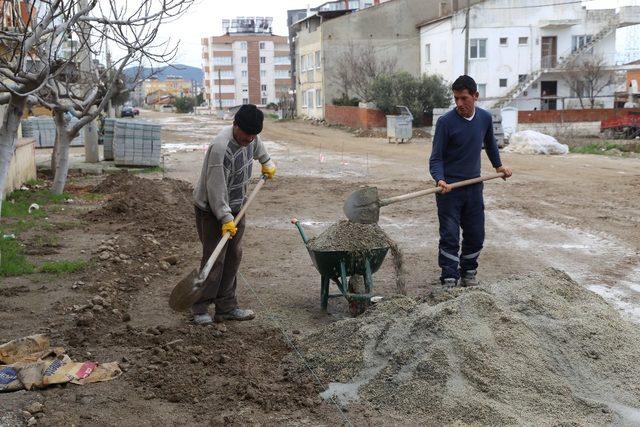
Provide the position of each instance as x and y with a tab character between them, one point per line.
186	292
363	206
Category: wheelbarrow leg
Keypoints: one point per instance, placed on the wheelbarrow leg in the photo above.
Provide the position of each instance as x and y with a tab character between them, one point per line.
343	276
324	292
368	277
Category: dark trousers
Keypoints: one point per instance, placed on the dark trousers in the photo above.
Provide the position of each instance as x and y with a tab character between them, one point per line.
220	286
461	208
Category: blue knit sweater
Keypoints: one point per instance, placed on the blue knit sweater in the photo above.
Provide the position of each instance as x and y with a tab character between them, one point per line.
457	144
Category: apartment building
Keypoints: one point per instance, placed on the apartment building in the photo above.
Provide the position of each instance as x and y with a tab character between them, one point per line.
246	65
518	52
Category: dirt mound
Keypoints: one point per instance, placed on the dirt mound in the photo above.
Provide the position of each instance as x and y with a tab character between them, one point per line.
535	347
159	207
194	365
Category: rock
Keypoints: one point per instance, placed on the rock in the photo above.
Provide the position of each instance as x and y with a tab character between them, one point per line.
126	317
26	415
171	259
296	332
222	358
105	255
34	407
97	308
164	265
219	326
193	359
32	421
98	300
103	248
79	283
85	319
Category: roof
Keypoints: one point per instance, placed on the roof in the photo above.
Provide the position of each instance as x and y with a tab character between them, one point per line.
325	15
433	21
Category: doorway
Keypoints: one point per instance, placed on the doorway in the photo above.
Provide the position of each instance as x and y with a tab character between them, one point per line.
548	93
549	49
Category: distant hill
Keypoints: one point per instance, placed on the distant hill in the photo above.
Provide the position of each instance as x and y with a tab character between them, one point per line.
185	71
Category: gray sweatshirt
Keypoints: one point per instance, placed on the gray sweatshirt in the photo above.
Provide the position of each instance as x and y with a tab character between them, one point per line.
225	174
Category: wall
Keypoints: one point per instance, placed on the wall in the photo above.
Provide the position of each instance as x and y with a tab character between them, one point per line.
23	165
568	116
355	117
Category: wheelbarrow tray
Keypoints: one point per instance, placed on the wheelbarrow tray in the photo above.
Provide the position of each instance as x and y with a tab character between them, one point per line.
328	262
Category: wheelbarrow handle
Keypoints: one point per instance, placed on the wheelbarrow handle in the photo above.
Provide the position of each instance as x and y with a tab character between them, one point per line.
295	222
409	196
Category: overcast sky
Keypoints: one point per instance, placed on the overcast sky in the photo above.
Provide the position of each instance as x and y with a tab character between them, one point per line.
204	19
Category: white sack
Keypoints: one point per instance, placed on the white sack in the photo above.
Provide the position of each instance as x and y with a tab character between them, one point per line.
532	142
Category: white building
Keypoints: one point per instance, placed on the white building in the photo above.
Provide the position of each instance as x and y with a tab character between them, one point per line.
518	50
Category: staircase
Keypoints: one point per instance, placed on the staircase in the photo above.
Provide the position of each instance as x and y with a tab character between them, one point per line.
563	61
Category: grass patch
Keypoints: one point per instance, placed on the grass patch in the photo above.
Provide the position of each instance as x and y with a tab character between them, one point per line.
62	267
17	203
12	261
596	148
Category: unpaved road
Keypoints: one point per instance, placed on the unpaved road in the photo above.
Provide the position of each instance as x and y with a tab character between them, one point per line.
578	213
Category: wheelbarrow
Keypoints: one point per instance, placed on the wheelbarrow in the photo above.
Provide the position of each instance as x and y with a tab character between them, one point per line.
352	272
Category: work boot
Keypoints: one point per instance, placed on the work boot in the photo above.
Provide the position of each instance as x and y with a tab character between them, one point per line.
202	319
469	278
236	314
450	282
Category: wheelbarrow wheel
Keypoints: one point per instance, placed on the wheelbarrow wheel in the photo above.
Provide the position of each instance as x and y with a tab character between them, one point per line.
356	286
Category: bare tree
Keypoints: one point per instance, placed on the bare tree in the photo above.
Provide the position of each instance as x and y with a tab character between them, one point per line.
588	77
47	48
357	67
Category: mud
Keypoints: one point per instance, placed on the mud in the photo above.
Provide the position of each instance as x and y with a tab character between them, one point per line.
531	347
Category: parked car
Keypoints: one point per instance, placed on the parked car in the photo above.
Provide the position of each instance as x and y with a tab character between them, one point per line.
136	111
127	112
168	108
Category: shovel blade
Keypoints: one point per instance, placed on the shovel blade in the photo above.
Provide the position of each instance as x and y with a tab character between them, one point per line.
186	293
363	206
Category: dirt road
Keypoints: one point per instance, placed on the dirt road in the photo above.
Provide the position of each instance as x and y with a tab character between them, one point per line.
578	213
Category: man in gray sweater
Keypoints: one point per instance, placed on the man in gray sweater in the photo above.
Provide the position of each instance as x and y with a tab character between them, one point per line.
219	195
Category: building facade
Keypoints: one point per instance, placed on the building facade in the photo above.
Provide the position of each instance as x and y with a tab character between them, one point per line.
523	54
246	65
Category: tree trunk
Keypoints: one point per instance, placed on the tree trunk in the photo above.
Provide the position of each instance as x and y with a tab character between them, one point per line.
64	142
54	155
8	136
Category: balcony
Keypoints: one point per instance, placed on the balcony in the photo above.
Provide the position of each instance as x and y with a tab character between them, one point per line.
551	24
628	15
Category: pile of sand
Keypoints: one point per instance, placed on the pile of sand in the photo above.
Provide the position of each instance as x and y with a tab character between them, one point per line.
536	348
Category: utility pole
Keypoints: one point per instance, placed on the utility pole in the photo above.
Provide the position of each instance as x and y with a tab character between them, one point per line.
90	130
219	91
466	40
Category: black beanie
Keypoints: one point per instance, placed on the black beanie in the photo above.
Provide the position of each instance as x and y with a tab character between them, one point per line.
249	118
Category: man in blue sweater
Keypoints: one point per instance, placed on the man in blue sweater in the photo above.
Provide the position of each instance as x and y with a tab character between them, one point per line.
457	145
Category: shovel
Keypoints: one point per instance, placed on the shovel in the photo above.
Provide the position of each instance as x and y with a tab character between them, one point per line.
363	206
188	291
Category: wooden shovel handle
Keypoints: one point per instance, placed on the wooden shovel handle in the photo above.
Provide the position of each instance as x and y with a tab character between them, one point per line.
226	236
409	196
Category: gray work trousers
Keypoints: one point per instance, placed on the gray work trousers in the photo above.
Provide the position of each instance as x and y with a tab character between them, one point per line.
220	286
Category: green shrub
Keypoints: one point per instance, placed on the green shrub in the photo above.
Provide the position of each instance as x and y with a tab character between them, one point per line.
64	266
345	101
12	260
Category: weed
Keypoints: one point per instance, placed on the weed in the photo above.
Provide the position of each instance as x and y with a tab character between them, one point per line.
62	267
154	169
12	261
18	202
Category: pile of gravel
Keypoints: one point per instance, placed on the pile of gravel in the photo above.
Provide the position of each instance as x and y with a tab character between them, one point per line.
536	348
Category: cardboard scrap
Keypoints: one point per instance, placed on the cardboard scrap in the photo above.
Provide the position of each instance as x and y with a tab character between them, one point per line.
29	363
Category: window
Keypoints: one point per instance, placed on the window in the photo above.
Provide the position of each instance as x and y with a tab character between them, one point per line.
263	87
310	61
263	101
243	59
245	100
222	60
523	40
503	82
263	60
303	62
226	74
263	73
503	41
318	59
282	74
318	98
244	73
578	42
281	60
427	53
310	98
477	48
482	90
263	46
243	45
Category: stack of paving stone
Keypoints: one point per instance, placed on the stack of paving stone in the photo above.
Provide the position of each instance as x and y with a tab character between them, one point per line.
107	138
43	130
136	143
